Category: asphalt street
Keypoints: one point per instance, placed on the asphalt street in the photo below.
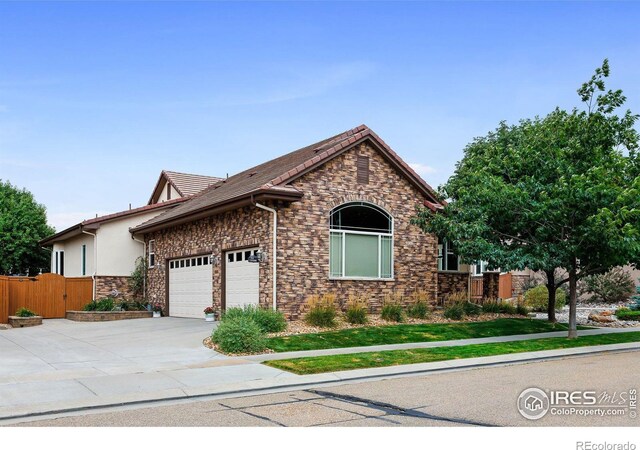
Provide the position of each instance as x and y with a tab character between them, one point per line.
472	397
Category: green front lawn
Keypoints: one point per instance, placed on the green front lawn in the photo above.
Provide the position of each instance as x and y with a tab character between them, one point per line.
401	334
319	364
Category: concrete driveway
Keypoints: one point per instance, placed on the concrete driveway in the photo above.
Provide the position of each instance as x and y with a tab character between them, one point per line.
65	364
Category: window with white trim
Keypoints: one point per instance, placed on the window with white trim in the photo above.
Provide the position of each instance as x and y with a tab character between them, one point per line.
361	242
83	258
479	267
152	253
448	260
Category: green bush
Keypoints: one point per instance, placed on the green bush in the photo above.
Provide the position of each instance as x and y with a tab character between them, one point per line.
321	311
491	307
627	314
356	311
507	308
614	286
24	312
471	309
239	335
269	320
418	310
392	312
522	310
538	298
104	304
455	311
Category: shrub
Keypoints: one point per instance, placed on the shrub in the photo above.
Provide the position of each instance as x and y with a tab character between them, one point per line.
611	287
269	320
491	307
457	297
419	307
538	298
24	312
103	304
239	335
454	311
136	280
392	308
321	310
507	308
471	309
522	310
627	314
356	310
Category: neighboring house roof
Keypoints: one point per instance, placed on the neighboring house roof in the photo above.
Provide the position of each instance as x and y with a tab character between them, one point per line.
269	180
185	183
94	224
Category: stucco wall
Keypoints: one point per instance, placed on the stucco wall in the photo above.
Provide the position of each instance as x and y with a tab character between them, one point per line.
117	252
163	194
73	255
303	238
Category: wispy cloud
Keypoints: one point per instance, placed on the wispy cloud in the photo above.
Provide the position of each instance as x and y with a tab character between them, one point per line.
422	169
307	80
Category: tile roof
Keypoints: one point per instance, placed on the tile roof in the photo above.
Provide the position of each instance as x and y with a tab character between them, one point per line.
92	224
272	176
188	183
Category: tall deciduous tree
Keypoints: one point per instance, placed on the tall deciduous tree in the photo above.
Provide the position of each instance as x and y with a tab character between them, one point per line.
558	194
23	223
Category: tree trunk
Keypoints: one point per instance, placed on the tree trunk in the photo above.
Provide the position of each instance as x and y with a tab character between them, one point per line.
551	287
573	329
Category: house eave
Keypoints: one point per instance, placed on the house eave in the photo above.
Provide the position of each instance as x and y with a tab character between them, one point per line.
229	205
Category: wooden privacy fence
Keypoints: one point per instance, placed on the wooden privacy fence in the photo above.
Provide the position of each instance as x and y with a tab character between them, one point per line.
476	288
48	295
505	286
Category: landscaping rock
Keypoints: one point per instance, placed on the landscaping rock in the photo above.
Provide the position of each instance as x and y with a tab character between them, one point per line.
599	318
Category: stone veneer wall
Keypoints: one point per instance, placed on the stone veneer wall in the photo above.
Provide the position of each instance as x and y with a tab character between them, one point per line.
449	282
490	285
303	238
106	284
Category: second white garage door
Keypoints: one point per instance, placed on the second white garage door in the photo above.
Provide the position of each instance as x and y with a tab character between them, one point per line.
190	286
241	279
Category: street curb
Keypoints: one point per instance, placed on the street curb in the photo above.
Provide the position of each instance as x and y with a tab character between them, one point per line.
337	378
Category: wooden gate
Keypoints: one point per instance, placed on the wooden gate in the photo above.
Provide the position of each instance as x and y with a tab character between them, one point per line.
476	288
505	286
48	295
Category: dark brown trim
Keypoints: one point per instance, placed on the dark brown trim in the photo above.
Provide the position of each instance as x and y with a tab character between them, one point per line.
231	204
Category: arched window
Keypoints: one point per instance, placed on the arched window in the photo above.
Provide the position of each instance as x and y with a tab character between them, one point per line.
361	242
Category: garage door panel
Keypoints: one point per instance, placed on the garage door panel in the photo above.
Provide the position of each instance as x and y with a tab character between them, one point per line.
190	288
241	279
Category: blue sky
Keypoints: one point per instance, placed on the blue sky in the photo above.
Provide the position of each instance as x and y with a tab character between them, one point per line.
97	98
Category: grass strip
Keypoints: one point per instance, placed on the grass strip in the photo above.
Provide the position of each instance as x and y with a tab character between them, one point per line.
334	363
401	334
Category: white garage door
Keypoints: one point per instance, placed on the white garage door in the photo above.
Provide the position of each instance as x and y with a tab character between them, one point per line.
241	279
190	285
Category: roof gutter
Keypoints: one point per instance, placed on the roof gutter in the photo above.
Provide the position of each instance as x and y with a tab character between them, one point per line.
233	203
273	250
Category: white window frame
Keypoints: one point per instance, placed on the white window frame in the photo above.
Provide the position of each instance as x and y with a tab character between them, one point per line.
443	251
366	233
483	268
83	259
152	252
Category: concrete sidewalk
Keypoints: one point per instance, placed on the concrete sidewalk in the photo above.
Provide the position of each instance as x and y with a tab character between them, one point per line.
221	376
432	344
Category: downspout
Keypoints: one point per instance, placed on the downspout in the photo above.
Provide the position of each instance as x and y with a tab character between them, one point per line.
144	255
273	250
95	260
